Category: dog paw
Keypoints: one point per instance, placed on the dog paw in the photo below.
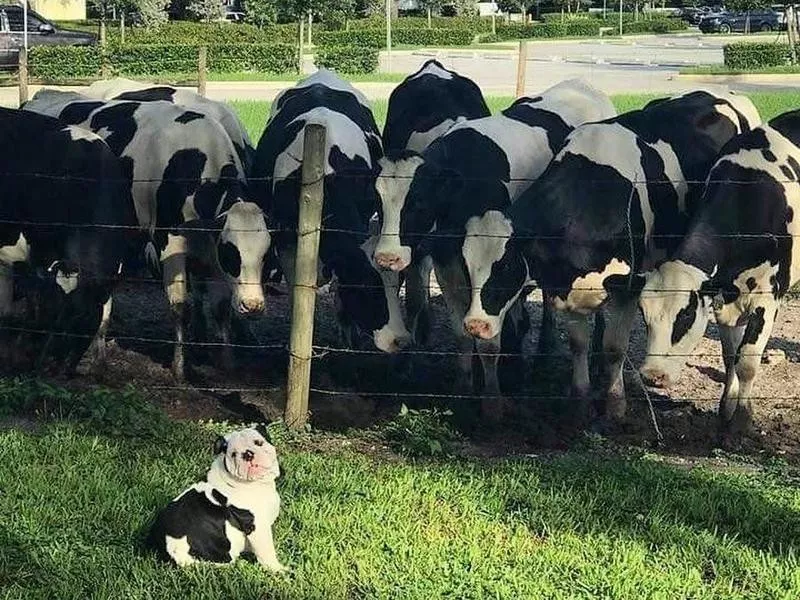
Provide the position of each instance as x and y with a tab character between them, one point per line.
276	567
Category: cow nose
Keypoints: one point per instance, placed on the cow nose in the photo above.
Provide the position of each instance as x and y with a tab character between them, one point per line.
654	377
387	260
251	306
248	455
403	343
478	328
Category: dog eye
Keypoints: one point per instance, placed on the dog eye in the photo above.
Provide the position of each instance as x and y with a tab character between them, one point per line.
258	443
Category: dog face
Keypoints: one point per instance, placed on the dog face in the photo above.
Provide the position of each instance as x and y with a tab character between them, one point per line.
246	455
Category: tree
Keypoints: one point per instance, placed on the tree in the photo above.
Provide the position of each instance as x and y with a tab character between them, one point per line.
261	12
206	10
153	13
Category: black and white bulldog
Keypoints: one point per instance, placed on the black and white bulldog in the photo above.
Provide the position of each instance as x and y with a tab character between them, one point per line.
231	511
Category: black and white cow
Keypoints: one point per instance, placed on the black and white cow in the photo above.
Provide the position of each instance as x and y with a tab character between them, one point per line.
189	191
127	89
353	148
739	256
615	199
68	222
421	109
481	166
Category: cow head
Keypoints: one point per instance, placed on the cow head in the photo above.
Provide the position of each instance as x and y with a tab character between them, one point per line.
368	300
675	311
404	211
240	241
498	272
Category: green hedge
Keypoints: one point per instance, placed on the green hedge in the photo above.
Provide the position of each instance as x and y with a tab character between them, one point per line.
534	30
376	38
584	27
746	55
473	24
67	62
347	59
208	34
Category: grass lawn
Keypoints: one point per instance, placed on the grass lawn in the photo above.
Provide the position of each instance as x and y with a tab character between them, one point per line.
723	70
770	104
596	522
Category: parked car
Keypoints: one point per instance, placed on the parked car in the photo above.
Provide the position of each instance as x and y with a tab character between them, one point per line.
693	16
727	22
41	32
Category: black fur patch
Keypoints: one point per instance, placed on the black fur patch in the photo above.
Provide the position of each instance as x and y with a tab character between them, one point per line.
754	327
77	112
769	155
242	519
229	259
788	173
181	179
795	166
751	283
153	94
685	319
189	116
119	120
219	497
789	214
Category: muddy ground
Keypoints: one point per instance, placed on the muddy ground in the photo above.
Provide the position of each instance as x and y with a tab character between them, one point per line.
361	389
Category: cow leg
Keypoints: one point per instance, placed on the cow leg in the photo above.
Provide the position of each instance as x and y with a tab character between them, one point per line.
221	313
731	338
97	350
616	336
578	330
456	295
173	261
748	360
491	401
418	281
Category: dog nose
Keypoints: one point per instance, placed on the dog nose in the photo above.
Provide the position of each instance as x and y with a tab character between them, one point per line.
654	377
387	260
248	455
251	306
478	328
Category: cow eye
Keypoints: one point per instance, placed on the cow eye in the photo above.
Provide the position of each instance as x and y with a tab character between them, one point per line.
258	443
229	259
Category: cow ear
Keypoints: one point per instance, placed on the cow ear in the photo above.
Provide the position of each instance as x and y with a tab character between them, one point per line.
220	445
624	285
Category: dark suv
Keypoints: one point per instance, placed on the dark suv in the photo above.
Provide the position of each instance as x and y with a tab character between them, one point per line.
40	32
726	22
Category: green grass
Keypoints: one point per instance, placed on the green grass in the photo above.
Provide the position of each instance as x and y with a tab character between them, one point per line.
592	523
769	104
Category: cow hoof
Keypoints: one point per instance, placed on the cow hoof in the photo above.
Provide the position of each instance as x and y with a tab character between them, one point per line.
738	426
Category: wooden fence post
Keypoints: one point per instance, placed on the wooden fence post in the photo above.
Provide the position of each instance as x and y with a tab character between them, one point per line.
202	70
305	280
23	75
522	65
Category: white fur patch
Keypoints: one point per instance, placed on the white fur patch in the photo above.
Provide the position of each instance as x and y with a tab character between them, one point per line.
526	148
327	78
432	68
178	549
587	293
576	102
672	169
614	146
19	252
79	133
392	186
342	133
484	244
419	140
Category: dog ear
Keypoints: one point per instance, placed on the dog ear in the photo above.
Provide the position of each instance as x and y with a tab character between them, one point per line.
220	445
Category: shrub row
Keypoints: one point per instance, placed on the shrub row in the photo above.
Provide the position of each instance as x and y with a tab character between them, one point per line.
584	27
473	24
347	59
745	55
376	38
208	34
67	62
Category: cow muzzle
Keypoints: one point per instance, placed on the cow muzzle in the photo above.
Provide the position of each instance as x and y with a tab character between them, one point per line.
251	306
390	261
479	328
655	376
